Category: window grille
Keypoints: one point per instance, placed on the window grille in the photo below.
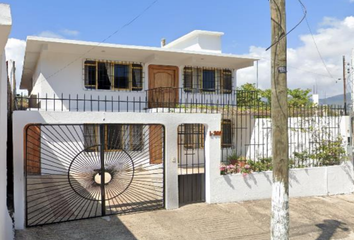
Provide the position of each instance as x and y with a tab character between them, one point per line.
108	75
226	130
193	136
198	79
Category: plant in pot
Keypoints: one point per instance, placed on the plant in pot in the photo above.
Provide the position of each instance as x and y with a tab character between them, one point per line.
232	159
241	162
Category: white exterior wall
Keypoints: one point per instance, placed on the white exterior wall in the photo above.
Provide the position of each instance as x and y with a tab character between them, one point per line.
53	77
169	120
304	182
6	229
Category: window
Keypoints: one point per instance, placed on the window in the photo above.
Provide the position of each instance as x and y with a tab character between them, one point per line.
226	131
136	138
90	74
188	79
121	76
103	76
137	77
117	137
90	138
113	75
226	81
193	136
114	137
209	80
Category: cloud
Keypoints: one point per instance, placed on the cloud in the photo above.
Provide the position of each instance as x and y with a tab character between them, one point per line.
69	32
15	50
64	33
334	39
49	34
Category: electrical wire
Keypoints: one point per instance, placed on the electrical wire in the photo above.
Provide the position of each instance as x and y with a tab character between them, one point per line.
104	40
284	35
318	51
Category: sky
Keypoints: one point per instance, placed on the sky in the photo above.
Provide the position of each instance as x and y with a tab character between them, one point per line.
246	24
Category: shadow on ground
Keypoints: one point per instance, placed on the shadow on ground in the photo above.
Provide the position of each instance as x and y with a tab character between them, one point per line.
105	228
330	227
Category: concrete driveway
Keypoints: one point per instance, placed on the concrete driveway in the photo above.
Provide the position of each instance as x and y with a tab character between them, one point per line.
318	218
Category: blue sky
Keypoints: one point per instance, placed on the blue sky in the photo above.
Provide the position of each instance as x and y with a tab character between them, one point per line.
246	24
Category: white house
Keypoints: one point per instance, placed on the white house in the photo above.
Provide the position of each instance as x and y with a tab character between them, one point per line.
114	128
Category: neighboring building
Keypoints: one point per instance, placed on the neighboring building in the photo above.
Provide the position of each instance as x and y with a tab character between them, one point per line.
6	228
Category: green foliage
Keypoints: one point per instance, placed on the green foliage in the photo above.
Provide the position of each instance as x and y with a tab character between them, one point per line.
296	97
326	153
299	97
263	164
251	96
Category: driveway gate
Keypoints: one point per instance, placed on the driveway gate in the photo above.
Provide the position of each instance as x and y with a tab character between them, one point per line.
83	171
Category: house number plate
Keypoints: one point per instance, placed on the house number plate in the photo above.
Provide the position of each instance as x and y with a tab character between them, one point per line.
215	133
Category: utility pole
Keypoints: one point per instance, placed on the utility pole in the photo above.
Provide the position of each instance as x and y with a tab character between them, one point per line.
279	114
344	88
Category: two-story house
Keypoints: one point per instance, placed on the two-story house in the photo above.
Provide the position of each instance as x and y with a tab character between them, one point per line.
134	113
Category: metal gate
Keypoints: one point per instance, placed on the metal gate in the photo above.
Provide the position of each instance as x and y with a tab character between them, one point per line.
191	163
83	171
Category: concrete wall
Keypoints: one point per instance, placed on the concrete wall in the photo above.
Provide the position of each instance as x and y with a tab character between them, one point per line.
317	181
6	230
169	120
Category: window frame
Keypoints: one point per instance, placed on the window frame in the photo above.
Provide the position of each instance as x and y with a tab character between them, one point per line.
131	67
224	73
196	134
197	79
223	123
94	136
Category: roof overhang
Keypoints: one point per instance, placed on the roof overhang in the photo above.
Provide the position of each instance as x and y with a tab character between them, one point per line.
35	45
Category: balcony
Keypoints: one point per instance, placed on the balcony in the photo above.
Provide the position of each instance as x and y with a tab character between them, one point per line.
176	100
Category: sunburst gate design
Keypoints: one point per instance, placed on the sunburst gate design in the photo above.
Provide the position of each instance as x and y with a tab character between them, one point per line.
85	174
64	166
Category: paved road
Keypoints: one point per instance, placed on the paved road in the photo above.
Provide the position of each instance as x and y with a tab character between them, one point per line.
318	218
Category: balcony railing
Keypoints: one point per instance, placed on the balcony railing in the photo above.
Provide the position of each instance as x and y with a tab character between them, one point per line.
153	100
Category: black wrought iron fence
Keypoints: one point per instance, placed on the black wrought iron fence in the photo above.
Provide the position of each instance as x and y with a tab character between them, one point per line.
315	132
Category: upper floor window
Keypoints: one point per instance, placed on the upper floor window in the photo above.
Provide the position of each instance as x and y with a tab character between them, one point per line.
113	75
207	80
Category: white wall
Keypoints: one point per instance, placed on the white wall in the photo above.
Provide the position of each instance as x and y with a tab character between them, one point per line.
51	79
6	230
169	120
304	182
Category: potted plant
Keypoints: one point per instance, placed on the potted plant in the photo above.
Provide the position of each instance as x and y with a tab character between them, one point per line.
241	162
232	159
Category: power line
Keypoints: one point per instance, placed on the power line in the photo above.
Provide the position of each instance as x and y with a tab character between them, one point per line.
104	40
284	35
318	51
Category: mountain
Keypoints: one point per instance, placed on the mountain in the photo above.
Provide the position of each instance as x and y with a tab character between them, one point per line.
335	100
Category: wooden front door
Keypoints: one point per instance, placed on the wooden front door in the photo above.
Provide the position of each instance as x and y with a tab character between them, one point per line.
156	144
163	86
33	150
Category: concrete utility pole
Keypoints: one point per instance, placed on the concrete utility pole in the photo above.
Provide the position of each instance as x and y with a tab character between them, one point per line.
344	87
279	113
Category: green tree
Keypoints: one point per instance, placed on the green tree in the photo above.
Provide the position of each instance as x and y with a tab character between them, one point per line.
252	96
299	97
249	95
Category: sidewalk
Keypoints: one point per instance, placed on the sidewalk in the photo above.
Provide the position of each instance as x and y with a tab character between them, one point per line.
318	218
